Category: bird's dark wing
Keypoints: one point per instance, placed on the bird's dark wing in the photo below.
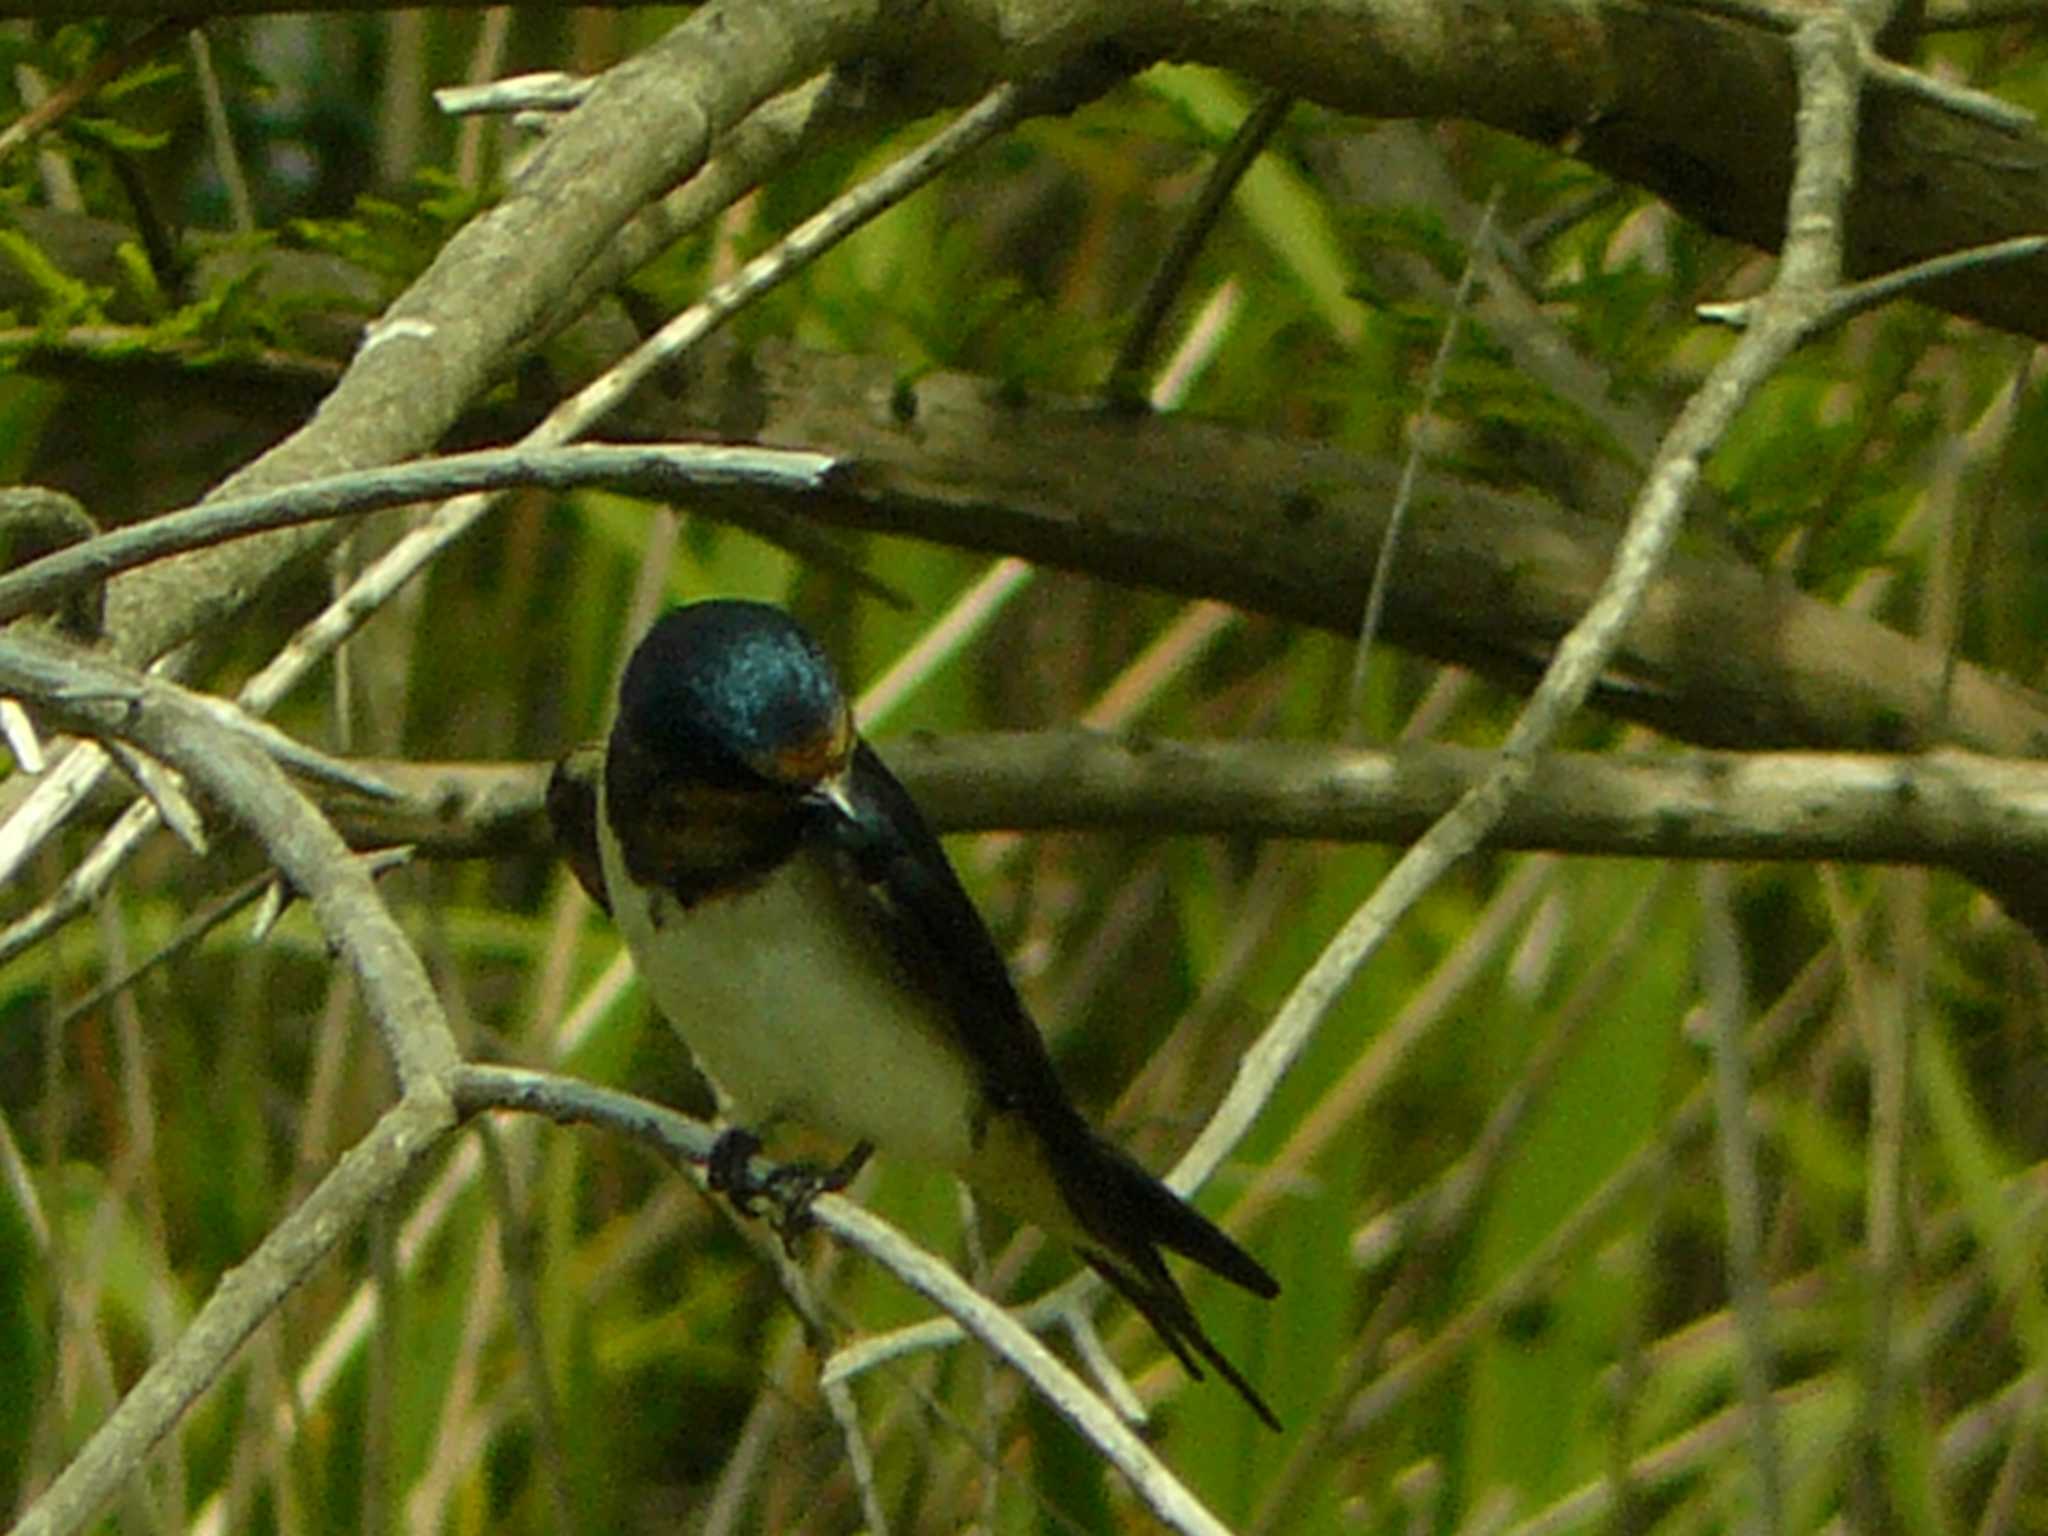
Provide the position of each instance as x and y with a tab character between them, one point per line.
931	926
572	812
932	929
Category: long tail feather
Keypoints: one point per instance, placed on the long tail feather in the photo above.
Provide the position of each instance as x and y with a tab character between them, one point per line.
1152	1212
1129	1216
1160	1302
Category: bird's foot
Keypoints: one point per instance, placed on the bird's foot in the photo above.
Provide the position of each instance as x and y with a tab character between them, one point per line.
729	1169
793	1186
789	1187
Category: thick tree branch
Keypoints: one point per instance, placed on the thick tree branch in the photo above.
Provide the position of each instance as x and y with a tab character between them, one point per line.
1721	655
1632	80
648	124
1697	107
1983	818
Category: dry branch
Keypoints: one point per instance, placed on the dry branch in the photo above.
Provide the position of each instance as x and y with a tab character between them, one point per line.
1722	654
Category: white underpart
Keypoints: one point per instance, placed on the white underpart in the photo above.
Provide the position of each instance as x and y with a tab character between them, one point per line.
791	1008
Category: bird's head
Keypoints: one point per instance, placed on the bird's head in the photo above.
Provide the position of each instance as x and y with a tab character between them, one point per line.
734	696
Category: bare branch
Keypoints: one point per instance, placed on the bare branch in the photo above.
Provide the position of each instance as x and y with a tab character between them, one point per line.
1125	383
87	693
655	472
1726	656
568	1101
1742	1197
1944	809
61	102
1411	466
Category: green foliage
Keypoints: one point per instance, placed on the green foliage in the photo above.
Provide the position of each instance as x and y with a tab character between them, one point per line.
65	300
109	133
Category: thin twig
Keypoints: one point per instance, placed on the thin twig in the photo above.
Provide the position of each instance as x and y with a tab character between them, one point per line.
1245	147
166	792
297	375
846	1414
1856	298
656	473
227	160
515	1258
486	58
478	1088
66	98
1741	1195
749	1460
1411	465
19	732
547	90
1960	15
34	520
55	796
1980	106
971	611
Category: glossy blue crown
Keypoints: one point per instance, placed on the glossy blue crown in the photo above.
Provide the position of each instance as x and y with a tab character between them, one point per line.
718	684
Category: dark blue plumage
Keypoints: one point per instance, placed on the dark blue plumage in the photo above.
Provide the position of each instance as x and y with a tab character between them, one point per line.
719	688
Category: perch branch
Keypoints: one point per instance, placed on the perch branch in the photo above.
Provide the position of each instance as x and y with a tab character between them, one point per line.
568	1101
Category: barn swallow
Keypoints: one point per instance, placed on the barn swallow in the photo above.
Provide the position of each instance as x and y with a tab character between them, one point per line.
802	929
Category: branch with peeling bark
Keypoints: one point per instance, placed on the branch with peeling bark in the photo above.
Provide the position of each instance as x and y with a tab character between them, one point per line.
1983	818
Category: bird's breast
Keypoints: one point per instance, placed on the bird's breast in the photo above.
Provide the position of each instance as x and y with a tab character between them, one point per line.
790	1004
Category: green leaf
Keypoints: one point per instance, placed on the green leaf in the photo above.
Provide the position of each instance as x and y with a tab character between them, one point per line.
67	301
112	134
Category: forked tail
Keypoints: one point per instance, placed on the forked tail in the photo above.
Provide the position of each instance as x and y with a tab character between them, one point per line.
1130	1216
